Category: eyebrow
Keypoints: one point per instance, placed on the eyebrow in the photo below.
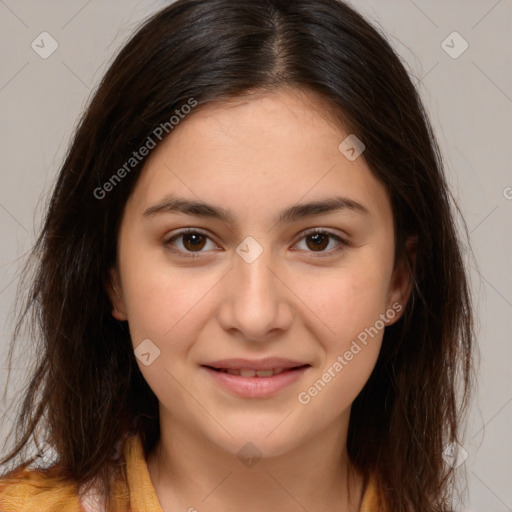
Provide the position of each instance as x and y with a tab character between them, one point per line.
287	216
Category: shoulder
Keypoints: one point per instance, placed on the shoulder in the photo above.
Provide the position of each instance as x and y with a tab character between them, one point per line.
373	497
27	490
43	489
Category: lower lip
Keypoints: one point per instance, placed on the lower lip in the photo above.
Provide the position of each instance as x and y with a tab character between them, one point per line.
256	387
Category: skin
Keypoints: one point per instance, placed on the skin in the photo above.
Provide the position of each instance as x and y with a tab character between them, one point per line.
256	156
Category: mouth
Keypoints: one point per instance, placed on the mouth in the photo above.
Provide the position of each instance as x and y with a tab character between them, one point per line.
255	380
248	372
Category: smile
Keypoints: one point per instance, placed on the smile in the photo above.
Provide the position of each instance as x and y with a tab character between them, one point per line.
254	373
254	383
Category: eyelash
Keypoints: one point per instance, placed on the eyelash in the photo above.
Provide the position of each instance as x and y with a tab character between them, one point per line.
194	255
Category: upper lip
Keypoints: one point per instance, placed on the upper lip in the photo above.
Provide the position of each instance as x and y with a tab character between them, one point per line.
268	363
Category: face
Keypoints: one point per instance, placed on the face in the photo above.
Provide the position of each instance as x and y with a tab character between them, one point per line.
286	264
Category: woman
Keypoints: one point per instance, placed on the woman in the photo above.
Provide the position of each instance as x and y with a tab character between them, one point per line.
249	283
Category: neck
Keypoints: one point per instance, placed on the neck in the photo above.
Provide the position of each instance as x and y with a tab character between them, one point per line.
190	473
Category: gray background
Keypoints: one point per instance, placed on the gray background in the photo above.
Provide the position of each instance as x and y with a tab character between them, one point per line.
469	99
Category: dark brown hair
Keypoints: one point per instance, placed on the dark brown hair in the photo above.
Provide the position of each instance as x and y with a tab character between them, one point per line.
87	389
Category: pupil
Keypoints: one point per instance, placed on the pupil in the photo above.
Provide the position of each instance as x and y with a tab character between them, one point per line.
196	241
319	240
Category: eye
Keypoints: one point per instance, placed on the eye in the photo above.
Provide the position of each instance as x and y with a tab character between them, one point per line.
193	241
318	239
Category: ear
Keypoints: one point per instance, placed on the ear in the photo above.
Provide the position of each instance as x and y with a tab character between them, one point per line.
402	279
115	294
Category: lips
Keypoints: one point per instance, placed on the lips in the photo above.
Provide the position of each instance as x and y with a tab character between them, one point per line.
255	378
269	363
248	372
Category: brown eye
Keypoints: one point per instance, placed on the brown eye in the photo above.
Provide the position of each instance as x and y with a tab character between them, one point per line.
319	241
189	243
193	242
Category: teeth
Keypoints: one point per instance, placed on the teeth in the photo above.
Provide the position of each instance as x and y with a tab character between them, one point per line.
253	373
265	373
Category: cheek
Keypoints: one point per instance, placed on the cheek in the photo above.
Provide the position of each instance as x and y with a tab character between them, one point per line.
350	302
163	304
168	307
333	390
352	309
346	301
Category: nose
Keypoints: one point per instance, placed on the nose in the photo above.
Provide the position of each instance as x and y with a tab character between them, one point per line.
257	305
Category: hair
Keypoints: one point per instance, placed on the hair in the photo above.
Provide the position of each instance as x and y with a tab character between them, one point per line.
87	389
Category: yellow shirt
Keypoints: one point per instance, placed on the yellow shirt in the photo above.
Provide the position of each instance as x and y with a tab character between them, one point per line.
33	490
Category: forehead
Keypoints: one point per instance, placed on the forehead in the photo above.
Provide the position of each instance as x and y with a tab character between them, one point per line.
271	123
295	101
277	146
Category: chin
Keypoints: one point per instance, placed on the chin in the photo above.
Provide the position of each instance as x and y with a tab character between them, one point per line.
270	437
